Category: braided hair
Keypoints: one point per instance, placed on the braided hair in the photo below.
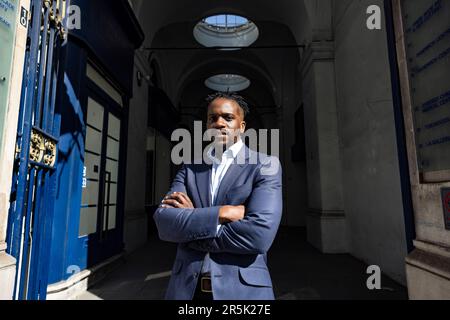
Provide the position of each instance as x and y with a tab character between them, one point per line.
230	96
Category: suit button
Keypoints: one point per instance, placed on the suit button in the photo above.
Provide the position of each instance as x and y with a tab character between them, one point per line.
195	275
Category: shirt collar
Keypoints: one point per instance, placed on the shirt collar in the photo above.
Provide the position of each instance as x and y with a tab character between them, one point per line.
230	153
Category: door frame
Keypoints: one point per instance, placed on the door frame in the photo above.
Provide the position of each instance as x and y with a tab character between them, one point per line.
99	248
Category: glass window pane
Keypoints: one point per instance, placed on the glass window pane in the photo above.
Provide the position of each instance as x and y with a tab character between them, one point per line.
92	164
114	127
111	219
113	149
90	194
91	170
95	114
88	221
113	168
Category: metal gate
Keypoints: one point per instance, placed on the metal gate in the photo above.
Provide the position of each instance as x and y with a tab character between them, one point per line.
34	178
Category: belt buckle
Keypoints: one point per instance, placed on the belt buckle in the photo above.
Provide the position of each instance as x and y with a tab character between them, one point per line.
203	286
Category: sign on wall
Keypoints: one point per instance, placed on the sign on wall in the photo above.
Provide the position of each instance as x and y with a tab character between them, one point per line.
427	42
8	18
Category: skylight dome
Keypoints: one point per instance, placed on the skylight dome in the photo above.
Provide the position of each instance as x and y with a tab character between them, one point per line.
226	30
228	82
224	22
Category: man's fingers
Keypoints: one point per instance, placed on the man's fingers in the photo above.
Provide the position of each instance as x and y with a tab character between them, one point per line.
178	198
172	202
178	195
185	196
165	206
182	198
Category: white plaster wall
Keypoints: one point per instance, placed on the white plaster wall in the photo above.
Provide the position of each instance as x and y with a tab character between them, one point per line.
372	194
10	128
327	142
8	263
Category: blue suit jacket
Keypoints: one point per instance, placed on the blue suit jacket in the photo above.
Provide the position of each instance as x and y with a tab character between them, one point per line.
238	250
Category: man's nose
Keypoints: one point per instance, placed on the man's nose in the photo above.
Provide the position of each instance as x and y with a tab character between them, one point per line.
219	124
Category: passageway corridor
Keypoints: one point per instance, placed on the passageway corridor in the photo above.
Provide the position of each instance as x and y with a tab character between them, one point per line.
98	114
299	272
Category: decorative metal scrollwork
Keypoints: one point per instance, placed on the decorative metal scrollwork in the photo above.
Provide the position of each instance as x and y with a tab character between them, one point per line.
37	146
42	149
50	153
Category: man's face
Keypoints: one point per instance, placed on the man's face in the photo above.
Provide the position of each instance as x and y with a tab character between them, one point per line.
227	117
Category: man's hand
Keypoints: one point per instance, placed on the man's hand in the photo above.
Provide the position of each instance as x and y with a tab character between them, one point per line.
229	214
177	200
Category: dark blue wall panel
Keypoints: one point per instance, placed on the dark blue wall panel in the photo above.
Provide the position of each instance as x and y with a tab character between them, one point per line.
110	31
108	36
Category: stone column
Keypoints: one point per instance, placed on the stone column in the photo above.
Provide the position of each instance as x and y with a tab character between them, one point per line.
326	224
135	228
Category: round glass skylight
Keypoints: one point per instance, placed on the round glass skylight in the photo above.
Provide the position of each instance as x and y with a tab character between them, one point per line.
227	82
225	21
226	30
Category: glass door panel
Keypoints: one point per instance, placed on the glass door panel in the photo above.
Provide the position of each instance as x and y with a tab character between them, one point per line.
91	172
112	173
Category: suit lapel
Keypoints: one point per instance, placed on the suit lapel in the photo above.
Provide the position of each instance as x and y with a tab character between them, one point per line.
203	179
234	171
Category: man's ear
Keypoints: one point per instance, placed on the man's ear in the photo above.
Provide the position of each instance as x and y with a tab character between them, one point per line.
243	126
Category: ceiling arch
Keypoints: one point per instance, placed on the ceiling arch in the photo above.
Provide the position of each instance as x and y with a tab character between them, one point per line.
303	17
199	69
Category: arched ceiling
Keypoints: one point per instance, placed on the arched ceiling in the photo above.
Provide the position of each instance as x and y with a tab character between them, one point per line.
170	23
305	18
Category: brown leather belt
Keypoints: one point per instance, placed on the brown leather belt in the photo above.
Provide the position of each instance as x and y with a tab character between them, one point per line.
205	284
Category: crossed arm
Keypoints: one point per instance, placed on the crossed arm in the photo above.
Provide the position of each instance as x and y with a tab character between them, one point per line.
244	230
180	200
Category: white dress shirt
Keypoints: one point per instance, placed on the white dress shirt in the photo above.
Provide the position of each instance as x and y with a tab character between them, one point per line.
218	171
221	166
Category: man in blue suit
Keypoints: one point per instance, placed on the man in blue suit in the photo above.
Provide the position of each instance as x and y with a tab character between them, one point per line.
224	215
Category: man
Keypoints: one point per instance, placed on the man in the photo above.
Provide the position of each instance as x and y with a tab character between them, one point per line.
224	215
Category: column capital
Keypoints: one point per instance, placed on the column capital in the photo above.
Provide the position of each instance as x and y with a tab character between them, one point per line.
316	51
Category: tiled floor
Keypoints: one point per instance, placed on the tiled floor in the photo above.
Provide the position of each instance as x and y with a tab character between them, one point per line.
298	272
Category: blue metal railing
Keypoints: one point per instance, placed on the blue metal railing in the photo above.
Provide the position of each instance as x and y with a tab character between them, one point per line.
34	177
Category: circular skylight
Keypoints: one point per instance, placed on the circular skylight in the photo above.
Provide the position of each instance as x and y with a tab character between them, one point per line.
227	82
225	21
226	30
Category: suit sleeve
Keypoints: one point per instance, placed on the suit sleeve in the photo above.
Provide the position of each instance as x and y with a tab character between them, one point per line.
256	232
185	225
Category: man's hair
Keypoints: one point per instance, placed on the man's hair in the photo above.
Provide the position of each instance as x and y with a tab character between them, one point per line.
230	96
